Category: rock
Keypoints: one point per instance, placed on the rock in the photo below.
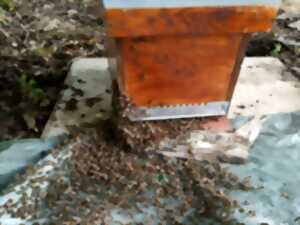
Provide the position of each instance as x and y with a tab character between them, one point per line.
235	156
288	41
222	124
72	12
53	24
226	147
291	5
288	15
295	25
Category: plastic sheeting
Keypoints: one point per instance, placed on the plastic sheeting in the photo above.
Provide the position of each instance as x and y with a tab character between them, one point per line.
274	169
18	154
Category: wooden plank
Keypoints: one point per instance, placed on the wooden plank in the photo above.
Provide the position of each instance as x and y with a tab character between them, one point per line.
203	20
238	64
173	70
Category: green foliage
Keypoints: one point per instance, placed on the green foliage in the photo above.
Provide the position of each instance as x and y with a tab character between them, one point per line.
32	98
7	4
276	50
29	90
2	16
43	52
161	178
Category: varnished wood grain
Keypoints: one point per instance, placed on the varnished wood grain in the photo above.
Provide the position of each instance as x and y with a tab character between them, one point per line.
171	21
238	62
157	71
175	56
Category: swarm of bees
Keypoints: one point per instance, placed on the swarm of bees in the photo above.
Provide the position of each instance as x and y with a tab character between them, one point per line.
109	169
148	134
101	176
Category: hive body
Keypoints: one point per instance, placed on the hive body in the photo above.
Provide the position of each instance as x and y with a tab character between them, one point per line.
166	53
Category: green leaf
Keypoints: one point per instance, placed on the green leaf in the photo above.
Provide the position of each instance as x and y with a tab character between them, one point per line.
7	4
161	177
277	49
30	90
37	95
32	83
2	16
22	80
44	52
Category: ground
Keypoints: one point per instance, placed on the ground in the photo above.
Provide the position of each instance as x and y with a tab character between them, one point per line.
39	39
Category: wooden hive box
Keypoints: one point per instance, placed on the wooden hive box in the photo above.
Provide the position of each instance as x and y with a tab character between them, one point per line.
171	52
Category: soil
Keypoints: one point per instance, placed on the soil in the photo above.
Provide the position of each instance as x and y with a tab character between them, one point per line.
39	39
283	42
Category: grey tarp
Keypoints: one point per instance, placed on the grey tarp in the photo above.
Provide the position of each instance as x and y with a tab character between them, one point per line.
273	167
15	155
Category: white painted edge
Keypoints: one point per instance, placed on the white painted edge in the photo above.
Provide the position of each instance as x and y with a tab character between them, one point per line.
138	4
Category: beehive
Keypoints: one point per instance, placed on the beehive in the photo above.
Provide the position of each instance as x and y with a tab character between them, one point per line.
178	53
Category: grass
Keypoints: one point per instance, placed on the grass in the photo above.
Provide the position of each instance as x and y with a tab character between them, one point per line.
7	4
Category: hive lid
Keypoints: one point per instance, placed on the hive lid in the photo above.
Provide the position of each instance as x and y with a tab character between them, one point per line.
172	17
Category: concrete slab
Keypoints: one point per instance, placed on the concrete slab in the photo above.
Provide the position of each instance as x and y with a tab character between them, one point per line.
291	6
264	88
86	100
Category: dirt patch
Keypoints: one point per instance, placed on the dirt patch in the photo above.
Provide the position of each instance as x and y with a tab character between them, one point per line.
38	41
283	42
